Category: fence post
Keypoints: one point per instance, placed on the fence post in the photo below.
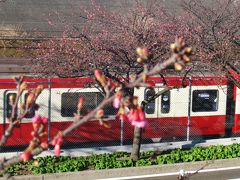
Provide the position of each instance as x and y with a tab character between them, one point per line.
49	109
189	108
121	133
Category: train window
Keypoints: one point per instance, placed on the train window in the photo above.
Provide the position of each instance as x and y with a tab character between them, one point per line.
10	100
150	107
205	100
91	101
31	112
165	102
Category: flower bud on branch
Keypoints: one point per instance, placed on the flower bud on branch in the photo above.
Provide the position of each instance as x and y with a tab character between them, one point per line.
12	99
23	87
142	53
100	77
182	54
25	156
117	99
39	90
80	105
57	142
30	100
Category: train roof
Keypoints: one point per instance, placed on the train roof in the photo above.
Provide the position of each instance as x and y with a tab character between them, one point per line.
84	82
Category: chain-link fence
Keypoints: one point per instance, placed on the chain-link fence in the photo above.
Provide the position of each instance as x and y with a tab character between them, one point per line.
202	110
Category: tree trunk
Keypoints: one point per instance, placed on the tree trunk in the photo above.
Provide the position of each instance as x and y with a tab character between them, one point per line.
135	154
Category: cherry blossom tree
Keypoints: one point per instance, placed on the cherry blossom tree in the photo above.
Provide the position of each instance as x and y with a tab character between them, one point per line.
135	114
215	31
108	41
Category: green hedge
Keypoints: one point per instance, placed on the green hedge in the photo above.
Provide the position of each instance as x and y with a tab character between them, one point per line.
52	164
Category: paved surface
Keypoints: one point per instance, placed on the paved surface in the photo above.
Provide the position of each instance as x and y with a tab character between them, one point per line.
223	175
151	172
128	148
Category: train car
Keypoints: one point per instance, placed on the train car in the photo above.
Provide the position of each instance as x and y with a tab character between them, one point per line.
199	109
206	106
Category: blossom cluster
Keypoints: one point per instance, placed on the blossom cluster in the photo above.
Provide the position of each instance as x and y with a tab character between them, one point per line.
38	137
129	109
182	53
57	142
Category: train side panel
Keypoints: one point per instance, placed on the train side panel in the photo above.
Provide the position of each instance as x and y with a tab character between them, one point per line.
167	115
64	102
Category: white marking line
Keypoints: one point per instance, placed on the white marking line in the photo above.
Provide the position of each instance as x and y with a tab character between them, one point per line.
172	174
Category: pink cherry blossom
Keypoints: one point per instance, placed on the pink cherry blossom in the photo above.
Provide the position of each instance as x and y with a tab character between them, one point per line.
98	73
25	156
57	150
44	145
37	119
57	142
139	124
80	103
117	100
44	120
34	133
137	117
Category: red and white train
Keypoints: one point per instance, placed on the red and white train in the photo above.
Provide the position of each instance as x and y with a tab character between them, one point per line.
206	106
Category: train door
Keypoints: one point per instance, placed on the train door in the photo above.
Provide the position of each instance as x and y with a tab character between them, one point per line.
172	113
151	131
166	114
151	108
9	97
21	134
